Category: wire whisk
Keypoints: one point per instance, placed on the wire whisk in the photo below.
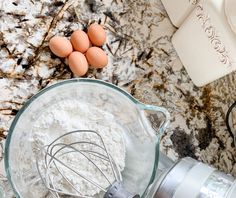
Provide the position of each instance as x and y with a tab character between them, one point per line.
54	160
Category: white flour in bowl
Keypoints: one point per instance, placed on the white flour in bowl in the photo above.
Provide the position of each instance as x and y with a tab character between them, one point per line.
70	115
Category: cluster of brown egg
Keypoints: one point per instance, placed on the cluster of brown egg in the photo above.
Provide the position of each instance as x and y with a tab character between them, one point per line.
83	49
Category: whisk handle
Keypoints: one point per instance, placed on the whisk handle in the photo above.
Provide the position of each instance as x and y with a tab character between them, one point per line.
117	190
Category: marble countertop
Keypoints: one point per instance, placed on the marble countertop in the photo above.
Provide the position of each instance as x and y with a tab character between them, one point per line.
142	60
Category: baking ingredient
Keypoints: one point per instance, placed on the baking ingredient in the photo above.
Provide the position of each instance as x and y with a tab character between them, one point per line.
96	57
80	41
69	115
97	34
78	63
60	46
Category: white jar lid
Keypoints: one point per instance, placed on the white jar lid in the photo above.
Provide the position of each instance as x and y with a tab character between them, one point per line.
230	12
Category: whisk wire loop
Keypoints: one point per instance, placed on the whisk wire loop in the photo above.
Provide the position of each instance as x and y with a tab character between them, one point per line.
59	148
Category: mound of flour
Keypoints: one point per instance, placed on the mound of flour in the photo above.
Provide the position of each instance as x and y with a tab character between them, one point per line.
70	115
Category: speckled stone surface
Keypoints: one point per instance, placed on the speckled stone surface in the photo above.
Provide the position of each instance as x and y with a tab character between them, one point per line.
142	60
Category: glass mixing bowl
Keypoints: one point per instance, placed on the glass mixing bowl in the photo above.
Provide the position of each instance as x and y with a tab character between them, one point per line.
143	125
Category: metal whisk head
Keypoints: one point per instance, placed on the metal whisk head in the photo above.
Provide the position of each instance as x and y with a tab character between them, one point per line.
88	146
57	171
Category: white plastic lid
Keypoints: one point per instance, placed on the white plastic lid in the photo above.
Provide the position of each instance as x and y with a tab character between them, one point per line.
230	12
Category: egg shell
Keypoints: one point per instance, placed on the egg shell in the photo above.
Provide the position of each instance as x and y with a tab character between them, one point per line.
97	34
80	41
78	63
60	46
96	57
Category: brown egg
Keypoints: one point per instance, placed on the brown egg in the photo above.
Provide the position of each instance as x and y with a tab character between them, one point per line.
96	57
78	63
97	34
80	41
60	46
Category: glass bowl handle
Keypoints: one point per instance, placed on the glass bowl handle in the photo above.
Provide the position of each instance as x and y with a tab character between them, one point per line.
150	112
